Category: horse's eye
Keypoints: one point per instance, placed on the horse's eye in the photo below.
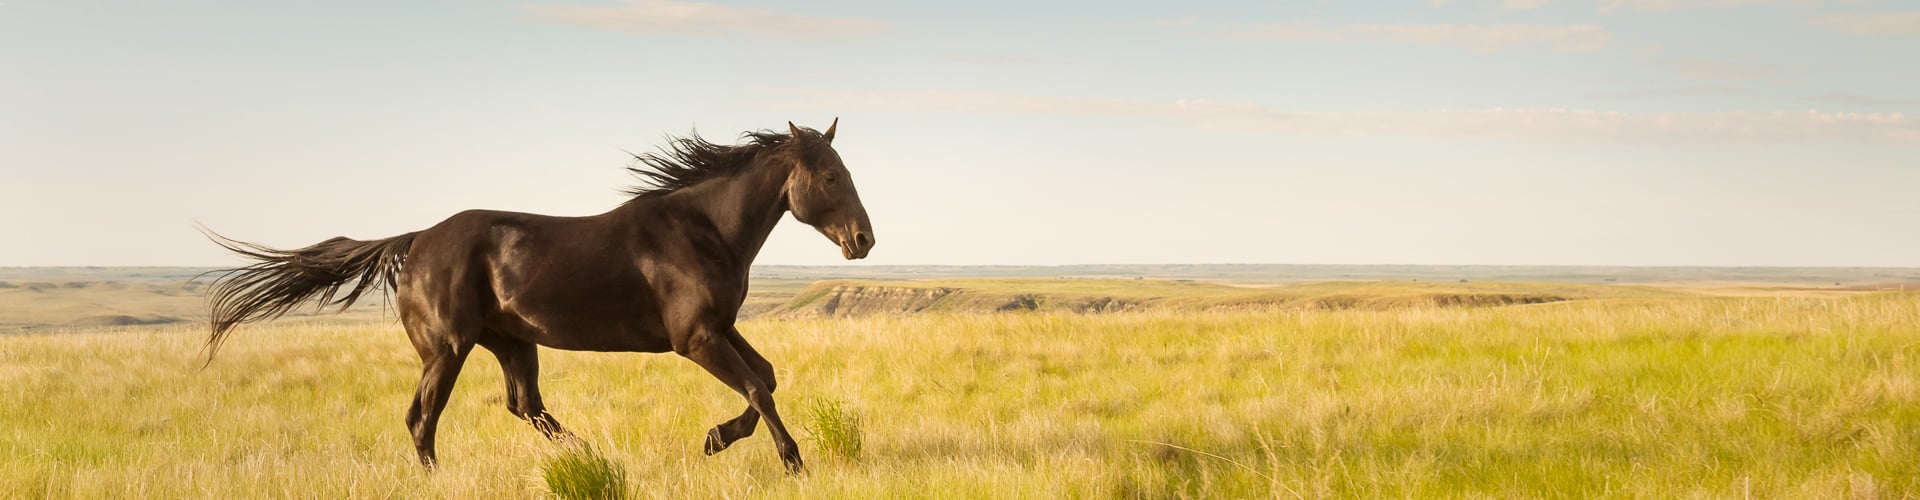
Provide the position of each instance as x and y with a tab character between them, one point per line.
832	178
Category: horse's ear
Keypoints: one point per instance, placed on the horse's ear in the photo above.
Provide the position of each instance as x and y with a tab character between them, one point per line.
795	131
830	128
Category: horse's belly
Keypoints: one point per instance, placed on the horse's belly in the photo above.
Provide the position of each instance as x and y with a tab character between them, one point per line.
559	333
609	343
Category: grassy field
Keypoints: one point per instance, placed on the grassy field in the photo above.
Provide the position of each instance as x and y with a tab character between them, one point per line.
1641	395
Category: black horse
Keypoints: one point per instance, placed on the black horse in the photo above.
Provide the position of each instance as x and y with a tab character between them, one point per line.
667	270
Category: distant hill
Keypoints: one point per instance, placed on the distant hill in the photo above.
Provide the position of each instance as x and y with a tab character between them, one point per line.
1882	277
836	298
38	299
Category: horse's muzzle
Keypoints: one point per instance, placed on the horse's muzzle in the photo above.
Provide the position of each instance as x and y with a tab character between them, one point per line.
856	246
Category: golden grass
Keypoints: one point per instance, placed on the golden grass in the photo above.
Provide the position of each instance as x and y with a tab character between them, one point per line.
1657	397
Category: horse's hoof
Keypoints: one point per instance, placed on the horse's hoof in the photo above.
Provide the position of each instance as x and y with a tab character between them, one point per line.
714	443
791	457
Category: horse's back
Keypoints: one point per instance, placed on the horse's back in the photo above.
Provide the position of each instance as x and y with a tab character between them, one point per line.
564	282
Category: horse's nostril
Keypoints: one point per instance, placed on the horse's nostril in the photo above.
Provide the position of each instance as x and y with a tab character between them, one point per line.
862	239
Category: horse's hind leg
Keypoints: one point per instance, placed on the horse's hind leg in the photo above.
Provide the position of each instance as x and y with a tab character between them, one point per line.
740	427
520	362
442	365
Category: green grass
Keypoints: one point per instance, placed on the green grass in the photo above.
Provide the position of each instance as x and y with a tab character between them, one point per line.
834	427
1669	396
580	473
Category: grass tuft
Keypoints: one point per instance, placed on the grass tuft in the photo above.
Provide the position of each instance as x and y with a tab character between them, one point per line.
579	473
835	427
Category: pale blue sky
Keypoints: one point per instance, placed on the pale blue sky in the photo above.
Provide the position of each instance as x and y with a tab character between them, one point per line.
1620	132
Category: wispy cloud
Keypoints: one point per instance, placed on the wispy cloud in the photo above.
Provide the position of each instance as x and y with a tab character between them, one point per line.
1852	99
1523	4
1703	69
667	17
1674	5
1885	23
1579	37
1534	124
992	59
1668	92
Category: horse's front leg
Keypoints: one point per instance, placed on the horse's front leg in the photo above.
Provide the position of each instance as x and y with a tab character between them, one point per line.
710	348
740	427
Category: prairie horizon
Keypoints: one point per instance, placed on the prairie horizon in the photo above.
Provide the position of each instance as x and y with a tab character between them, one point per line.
44	297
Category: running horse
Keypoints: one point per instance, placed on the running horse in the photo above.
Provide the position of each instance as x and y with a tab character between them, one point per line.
665	271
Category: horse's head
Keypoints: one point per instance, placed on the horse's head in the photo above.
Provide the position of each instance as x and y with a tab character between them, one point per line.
821	194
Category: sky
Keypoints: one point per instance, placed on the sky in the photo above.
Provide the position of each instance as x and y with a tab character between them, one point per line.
1520	132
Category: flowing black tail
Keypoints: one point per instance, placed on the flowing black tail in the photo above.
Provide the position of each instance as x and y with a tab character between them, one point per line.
283	279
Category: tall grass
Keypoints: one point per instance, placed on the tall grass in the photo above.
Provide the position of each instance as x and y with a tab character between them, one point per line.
580	473
835	427
1635	397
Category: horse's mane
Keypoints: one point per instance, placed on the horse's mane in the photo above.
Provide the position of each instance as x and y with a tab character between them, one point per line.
690	160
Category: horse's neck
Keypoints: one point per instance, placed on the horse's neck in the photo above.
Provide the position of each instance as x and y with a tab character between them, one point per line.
743	207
